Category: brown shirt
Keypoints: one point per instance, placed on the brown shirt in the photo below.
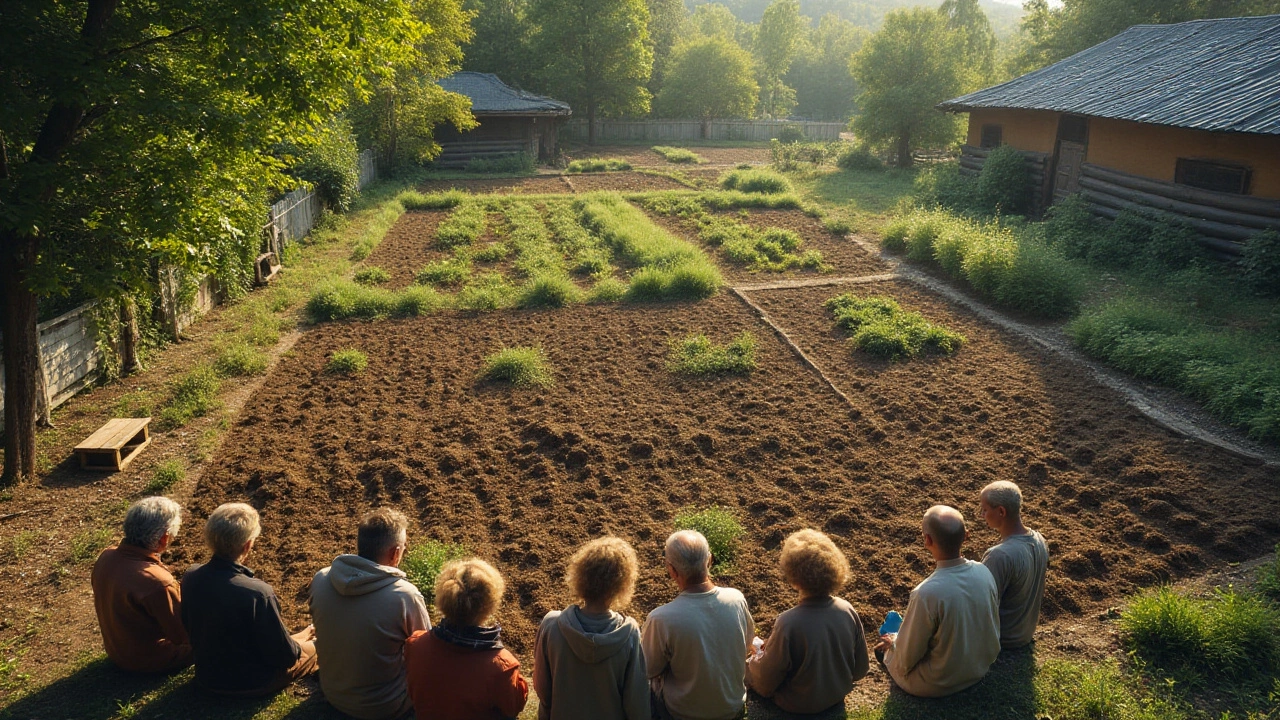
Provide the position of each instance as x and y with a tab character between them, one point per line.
817	650
138	605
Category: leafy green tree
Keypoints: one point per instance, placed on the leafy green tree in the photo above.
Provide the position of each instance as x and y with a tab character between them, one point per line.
777	41
717	20
903	71
667	21
503	41
596	55
977	40
710	77
135	136
820	73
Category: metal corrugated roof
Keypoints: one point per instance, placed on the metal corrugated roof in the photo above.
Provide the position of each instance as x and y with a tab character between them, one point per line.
491	96
1220	75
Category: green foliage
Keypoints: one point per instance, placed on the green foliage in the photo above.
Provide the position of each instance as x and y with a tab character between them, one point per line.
1173	245
855	157
1269	578
463	226
423	561
519	367
977	51
594	165
1041	282
1084	691
240	360
879	326
549	291
1227	638
1003	185
689	280
678	155
327	160
347	361
710	77
371	276
587	253
756	180
194	395
166	475
86	545
1260	263
1071	227
788	156
447	200
492	252
721	529
607	290
517	164
777	41
450	271
344	300
943	185
791	134
820	72
697	355
485	293
770	250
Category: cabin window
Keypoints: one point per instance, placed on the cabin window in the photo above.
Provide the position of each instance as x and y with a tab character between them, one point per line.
1213	175
992	136
1073	128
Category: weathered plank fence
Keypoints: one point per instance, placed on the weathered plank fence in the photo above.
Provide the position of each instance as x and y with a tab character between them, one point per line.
692	130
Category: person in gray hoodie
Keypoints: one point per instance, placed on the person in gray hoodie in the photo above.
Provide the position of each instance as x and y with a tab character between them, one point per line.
587	659
363	609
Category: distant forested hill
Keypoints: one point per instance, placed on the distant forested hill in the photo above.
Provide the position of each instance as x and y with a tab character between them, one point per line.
866	13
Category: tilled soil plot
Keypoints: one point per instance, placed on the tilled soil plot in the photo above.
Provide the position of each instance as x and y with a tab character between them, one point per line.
1122	502
622	182
536	184
410	244
643	156
619	445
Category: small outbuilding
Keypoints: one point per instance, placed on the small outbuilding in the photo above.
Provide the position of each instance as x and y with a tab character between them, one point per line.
511	121
1181	118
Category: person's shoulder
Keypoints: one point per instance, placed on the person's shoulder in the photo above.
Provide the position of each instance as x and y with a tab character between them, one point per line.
844	606
730	596
418	639
401	586
505	661
549	620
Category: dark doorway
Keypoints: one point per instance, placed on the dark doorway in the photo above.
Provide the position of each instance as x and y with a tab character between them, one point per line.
1069	154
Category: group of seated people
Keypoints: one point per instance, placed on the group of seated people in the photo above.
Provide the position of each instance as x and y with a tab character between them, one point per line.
379	656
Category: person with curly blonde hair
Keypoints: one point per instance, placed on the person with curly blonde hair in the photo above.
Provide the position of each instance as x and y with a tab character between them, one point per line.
817	649
587	659
459	669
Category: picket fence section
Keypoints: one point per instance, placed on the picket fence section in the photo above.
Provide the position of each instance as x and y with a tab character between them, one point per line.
692	130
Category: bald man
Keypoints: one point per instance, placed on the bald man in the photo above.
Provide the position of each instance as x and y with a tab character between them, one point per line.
1018	564
951	632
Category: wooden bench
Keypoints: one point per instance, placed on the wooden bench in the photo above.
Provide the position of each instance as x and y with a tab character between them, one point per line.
115	444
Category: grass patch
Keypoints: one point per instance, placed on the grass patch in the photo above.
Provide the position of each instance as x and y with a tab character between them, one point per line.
194	395
166	475
697	355
486	292
87	544
518	164
414	200
756	180
519	367
549	291
607	290
595	165
423	561
463	226
344	300
491	253
879	326
371	276
21	543
721	529
1269	578
240	360
450	271
768	250
679	156
347	361
587	254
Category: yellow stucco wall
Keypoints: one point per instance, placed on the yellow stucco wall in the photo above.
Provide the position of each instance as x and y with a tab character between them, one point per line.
1139	148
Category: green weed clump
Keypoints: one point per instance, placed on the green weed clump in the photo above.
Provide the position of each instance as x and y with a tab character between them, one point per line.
423	561
858	158
86	545
450	271
1269	578
536	254
678	155
194	395
344	300
1260	263
347	361
447	200
240	360
485	293
519	367
463	226
166	475
594	165
756	180
492	252
552	291
607	290
1096	691
587	254
879	326
697	355
371	276
721	529
769	250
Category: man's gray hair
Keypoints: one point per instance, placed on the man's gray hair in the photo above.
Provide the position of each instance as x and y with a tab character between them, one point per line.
689	553
149	519
229	528
1005	494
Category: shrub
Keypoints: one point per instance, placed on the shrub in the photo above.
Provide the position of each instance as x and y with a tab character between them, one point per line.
1123	241
791	134
329	163
347	361
756	180
1260	263
595	165
423	561
607	290
678	155
1042	282
697	355
1269	578
371	276
451	271
519	163
989	259
519	367
1071	226
721	529
879	326
194	395
858	158
463	225
687	280
549	291
1003	185
837	226
414	200
240	360
165	476
894	236
1173	245
945	185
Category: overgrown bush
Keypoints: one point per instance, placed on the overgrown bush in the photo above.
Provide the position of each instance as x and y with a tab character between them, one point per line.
594	165
447	200
519	367
1173	245
463	226
166	475
371	276
721	529
549	291
240	360
1003	184
697	355
879	326
1260	263
791	134
790	156
517	164
858	158
1041	282
1123	241
347	361
679	156
1071	227
194	395
423	561
329	162
944	185
756	180
450	271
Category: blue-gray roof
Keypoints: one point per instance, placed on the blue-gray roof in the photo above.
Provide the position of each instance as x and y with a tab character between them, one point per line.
1219	75
491	96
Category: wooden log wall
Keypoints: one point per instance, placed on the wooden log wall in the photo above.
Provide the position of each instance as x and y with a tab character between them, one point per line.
1223	220
972	159
457	154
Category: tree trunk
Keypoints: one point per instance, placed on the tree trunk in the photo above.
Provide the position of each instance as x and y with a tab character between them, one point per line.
21	357
128	337
904	150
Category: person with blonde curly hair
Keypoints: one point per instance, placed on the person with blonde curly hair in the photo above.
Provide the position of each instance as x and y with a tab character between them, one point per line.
459	669
817	649
587	659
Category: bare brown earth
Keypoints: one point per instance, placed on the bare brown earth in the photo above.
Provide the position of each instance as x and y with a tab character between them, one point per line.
643	156
501	186
409	245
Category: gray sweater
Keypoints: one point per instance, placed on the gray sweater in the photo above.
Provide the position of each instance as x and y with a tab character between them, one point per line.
589	668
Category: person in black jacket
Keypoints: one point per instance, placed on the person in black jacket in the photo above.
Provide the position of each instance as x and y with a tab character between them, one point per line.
240	642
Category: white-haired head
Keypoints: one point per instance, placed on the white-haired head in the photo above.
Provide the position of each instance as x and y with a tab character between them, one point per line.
149	519
690	555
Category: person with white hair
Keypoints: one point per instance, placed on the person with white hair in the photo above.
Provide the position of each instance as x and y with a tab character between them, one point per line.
135	596
696	646
239	640
1019	563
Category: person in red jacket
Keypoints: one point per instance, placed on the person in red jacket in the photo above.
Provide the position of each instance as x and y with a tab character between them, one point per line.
459	670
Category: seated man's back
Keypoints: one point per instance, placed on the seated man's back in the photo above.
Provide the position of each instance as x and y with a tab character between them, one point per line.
696	649
1018	565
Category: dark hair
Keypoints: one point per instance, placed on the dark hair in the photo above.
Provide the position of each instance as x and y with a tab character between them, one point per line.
379	530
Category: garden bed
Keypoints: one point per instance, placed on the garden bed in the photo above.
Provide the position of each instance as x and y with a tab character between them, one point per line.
536	184
623	182
643	156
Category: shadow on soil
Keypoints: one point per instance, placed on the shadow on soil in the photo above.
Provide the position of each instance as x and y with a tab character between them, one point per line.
1006	693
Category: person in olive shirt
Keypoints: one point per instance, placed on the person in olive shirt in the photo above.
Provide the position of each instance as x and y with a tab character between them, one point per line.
239	640
1018	563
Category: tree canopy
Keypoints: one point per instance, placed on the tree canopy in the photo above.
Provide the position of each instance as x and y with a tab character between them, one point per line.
820	73
710	77
777	40
977	41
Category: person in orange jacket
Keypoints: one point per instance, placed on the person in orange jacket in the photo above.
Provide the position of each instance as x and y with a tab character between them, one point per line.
459	670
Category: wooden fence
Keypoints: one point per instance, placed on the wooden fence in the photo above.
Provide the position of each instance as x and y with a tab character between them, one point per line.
693	130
